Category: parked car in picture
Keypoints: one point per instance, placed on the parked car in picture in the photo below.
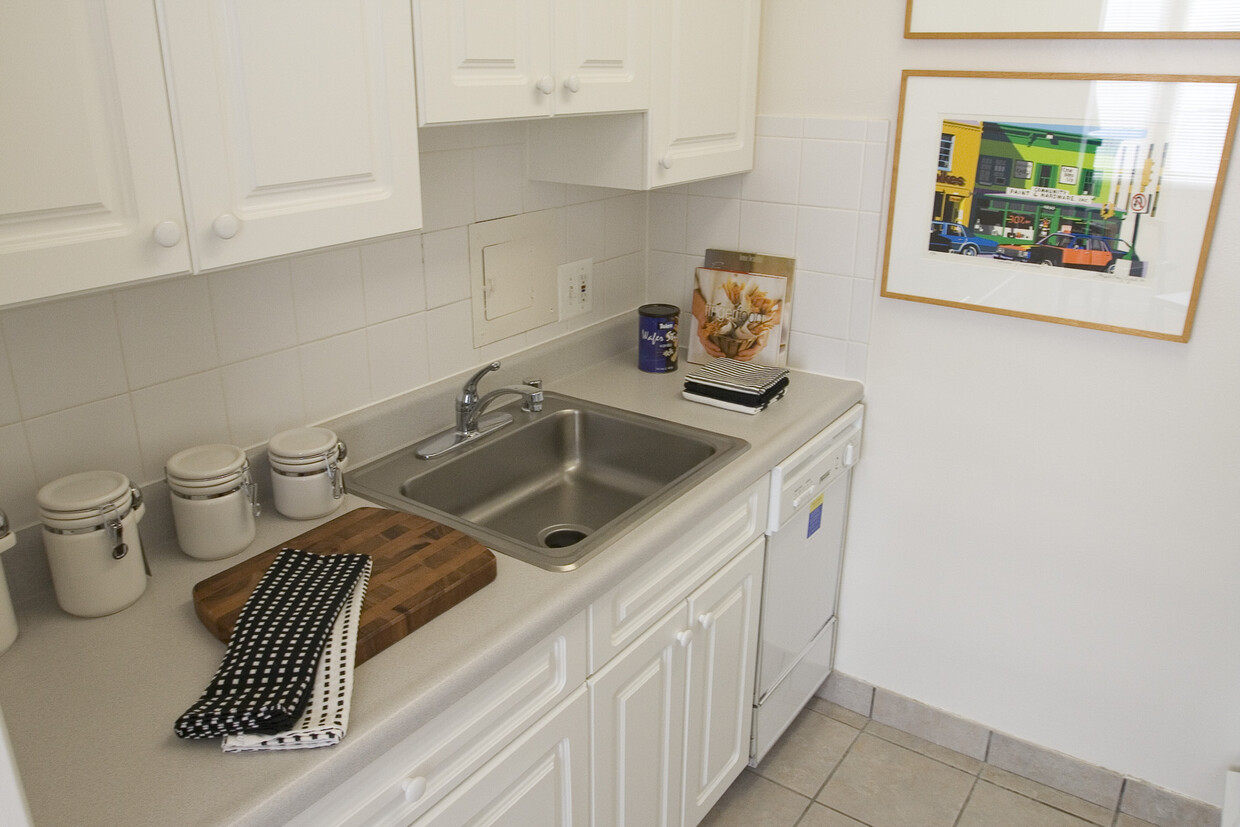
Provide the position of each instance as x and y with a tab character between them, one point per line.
939	243
962	241
1082	252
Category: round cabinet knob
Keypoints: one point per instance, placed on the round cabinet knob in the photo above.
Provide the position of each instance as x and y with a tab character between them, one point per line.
666	161
684	638
226	225
706	619
546	85
167	234
414	788
572	83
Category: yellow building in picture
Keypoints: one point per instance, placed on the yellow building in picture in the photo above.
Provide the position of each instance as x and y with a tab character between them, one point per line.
959	148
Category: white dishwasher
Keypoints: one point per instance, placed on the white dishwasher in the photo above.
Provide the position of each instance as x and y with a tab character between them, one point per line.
804	552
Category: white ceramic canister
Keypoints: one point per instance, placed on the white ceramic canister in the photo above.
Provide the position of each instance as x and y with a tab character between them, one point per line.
90	532
214	500
8	619
307	479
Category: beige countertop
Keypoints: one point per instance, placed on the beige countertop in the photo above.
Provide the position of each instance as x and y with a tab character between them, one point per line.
90	704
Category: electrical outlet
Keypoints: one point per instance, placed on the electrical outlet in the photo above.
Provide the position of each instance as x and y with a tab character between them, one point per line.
576	282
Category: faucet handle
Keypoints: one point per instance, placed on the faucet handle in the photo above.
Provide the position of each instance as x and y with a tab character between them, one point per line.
470	391
533	383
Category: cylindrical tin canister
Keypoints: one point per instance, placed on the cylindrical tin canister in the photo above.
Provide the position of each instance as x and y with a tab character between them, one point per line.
658	337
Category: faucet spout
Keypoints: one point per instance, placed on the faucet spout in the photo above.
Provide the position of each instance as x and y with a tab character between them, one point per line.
533	401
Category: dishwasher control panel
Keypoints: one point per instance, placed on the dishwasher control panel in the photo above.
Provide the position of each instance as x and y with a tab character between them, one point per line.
809	470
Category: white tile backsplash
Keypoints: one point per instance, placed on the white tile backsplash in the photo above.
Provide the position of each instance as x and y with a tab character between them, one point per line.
64	353
393	278
10	412
166	330
253	310
447	189
823	304
445	257
669	212
98	435
586	226
331	380
397	353
18	481
176	415
502	168
624	225
768	228
831	173
327	293
712	223
263	396
776	172
827	240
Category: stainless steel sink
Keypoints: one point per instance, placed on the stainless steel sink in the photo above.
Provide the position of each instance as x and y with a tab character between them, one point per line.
556	486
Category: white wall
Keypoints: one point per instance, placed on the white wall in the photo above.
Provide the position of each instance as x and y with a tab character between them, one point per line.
1045	534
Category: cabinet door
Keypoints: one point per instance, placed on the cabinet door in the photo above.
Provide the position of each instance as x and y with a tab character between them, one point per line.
724	614
481	59
541	779
602	56
703	107
297	125
87	166
637	712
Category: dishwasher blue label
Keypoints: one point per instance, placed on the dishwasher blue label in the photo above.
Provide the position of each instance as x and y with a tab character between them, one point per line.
815	517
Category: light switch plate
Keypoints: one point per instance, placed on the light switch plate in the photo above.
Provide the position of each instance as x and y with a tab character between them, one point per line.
513	279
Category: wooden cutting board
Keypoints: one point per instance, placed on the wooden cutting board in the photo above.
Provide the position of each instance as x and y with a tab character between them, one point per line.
420	569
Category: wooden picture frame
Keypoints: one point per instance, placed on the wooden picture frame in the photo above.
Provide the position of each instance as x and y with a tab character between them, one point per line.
1086	200
1103	19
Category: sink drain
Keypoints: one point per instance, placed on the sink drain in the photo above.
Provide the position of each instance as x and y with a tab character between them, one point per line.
562	536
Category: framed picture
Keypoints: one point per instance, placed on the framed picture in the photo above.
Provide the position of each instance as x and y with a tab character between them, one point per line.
1071	19
1086	200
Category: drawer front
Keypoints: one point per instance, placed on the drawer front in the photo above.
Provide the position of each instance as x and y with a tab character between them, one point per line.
624	613
414	775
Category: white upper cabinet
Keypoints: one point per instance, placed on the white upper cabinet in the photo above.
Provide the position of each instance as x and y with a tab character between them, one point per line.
496	59
702	108
88	176
296	122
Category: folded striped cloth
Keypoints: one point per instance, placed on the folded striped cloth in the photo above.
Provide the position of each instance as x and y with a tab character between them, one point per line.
266	679
326	718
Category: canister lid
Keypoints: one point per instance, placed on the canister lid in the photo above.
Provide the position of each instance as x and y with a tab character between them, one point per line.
205	463
302	443
86	491
660	311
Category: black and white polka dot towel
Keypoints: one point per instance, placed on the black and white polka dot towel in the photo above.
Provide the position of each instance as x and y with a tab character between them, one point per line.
267	676
326	718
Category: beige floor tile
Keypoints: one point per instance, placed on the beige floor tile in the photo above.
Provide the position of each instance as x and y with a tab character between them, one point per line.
885	785
1087	810
807	752
990	805
819	816
753	800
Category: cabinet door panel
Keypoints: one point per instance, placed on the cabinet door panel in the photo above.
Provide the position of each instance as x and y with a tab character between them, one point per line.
87	167
724	613
542	779
298	128
481	59
637	709
702	115
602	55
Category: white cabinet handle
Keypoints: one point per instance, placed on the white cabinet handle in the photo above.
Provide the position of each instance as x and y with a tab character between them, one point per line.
167	234
546	85
684	638
666	161
572	83
226	225
414	788
706	619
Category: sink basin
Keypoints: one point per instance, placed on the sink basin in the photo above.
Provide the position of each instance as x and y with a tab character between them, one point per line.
555	487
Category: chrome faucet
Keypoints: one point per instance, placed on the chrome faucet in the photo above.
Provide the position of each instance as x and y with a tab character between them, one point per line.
469	405
471	419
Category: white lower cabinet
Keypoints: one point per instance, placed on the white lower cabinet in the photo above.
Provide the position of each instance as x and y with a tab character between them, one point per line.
671	715
542	779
